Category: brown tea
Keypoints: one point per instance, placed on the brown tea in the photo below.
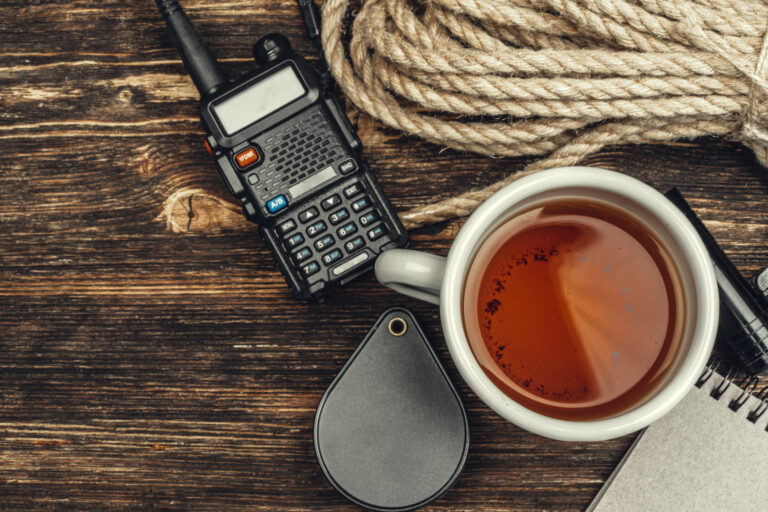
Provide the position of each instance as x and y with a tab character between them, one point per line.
574	310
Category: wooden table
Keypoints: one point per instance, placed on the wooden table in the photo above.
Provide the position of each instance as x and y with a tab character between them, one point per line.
156	361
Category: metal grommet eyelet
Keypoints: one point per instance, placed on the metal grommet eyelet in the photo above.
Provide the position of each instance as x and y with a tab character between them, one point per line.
397	326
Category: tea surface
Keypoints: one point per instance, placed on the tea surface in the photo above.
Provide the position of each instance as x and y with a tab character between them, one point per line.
573	309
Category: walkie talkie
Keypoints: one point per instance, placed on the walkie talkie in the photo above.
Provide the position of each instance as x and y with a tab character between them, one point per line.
288	153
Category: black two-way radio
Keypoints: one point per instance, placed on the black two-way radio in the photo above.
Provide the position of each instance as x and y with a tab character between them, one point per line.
287	151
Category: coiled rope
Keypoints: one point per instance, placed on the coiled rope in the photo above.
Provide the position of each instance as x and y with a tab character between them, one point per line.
562	78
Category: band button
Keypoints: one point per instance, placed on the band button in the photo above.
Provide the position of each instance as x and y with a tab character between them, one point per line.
347	166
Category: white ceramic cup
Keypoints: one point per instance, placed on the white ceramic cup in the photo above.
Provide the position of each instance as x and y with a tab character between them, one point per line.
441	281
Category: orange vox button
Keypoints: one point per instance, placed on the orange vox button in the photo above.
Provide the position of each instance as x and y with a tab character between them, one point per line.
208	147
247	157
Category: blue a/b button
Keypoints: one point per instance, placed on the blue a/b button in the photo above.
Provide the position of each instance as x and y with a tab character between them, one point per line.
277	203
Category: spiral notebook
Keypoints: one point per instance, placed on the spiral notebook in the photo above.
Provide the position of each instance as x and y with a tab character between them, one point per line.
710	453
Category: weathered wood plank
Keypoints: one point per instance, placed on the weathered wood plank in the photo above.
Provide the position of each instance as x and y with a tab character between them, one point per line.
148	364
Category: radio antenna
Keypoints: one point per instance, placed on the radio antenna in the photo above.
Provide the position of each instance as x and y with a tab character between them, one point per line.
197	57
311	15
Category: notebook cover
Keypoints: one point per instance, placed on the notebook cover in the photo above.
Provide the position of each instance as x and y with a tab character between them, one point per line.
702	456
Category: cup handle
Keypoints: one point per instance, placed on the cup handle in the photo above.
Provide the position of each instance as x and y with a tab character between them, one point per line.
413	273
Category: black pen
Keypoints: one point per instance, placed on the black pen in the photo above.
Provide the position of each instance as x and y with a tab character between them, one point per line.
743	310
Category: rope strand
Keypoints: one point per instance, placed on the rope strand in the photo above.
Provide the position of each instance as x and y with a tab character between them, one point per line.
562	78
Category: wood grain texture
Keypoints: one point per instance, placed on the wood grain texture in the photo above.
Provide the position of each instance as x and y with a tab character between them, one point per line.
156	366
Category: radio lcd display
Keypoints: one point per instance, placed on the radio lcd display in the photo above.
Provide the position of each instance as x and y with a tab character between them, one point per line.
259	100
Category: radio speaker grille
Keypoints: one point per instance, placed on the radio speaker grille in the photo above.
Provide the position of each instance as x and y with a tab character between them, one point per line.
297	151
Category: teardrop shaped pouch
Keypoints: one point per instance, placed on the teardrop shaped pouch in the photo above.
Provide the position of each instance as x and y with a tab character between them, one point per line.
391	433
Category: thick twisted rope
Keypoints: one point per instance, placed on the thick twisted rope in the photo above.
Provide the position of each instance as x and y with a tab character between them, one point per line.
562	78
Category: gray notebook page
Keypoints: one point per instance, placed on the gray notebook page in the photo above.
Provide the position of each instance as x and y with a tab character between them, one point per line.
702	456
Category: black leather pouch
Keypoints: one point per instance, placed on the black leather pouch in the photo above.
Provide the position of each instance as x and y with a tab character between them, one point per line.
391	433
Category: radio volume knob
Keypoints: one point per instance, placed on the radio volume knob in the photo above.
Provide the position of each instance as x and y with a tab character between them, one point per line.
271	48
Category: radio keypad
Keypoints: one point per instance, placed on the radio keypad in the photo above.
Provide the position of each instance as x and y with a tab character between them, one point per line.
339	252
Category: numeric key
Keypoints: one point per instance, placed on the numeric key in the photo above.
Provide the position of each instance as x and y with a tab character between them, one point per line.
316	228
302	254
354	245
369	218
294	241
338	216
324	243
347	230
310	268
332	256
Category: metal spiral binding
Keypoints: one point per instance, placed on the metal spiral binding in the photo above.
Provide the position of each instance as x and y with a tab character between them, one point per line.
708	372
748	384
721	388
746	391
754	415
